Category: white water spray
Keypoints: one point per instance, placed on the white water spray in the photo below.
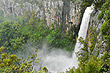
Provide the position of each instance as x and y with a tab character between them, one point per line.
82	33
56	60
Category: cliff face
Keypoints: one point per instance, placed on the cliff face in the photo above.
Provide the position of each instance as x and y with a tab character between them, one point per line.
94	33
53	11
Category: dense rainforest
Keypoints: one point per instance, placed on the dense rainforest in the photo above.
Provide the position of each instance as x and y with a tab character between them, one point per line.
23	35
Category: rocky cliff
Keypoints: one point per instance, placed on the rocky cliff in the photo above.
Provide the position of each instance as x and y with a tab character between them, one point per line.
52	11
94	34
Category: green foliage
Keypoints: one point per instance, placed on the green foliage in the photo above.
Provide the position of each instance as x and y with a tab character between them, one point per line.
13	64
32	1
28	27
56	39
73	1
10	36
43	70
87	3
105	28
20	19
1	16
91	66
100	15
93	39
70	71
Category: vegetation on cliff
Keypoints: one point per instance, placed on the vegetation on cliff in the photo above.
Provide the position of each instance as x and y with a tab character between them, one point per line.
90	62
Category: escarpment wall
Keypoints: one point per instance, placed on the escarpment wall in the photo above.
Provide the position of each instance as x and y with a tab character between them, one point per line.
53	11
95	29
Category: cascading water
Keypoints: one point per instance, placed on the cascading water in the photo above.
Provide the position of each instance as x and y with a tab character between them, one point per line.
82	33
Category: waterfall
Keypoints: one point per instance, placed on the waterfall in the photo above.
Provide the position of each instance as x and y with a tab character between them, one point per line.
82	33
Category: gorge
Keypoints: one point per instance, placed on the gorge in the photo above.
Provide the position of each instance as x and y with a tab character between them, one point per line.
54	36
60	62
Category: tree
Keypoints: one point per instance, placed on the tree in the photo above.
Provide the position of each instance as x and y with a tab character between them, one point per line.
13	64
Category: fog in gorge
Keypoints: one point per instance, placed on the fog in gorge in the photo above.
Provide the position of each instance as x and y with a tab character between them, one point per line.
56	60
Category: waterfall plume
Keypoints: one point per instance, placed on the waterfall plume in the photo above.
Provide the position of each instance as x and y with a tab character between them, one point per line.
82	33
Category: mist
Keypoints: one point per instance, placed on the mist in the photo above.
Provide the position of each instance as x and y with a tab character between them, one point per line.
56	60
